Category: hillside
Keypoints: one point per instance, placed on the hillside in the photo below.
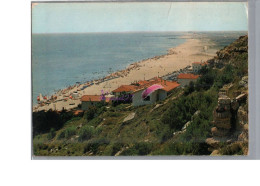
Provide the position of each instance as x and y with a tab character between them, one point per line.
180	125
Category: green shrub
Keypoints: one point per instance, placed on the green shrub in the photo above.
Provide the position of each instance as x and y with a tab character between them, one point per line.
86	133
91	112
51	134
129	152
94	144
70	131
141	149
190	88
116	147
61	135
44	121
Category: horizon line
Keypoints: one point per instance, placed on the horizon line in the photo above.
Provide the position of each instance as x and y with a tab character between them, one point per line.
38	33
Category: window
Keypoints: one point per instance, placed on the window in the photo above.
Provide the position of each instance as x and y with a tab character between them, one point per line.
147	98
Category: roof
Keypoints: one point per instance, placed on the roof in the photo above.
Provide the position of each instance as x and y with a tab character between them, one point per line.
187	76
142	82
206	63
77	112
169	85
125	88
93	98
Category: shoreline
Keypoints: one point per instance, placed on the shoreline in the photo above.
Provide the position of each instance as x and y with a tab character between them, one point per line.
176	58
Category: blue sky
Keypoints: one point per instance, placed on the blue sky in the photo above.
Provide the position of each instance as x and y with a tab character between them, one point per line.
134	17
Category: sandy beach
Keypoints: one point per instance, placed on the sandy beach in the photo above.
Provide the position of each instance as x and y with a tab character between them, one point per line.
177	58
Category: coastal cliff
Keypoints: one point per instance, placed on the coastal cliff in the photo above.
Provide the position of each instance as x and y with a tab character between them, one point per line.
209	117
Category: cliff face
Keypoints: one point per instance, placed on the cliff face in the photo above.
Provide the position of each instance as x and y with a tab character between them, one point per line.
230	117
233	50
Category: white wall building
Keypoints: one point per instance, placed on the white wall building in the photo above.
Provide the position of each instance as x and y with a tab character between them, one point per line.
157	95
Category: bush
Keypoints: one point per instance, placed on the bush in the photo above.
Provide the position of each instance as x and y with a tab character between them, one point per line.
206	80
93	145
167	134
129	152
61	135
44	121
86	133
51	134
190	88
182	109
141	149
90	114
70	131
116	147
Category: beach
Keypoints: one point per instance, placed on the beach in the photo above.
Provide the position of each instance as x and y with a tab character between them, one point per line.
192	50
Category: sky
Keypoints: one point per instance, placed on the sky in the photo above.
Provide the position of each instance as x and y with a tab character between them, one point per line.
139	17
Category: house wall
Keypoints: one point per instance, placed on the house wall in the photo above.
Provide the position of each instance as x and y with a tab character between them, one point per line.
155	96
196	67
185	82
162	94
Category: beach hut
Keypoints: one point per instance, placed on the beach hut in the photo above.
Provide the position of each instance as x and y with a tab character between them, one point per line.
75	95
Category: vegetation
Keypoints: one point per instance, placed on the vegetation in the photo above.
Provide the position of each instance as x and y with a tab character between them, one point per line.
178	126
44	121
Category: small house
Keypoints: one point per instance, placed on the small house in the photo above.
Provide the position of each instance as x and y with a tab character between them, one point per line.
196	66
90	100
162	90
185	79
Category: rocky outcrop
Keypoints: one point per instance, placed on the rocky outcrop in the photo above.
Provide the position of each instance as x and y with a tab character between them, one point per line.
222	116
244	82
230	121
129	117
237	48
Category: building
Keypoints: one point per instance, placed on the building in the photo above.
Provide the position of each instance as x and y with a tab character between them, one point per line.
92	100
196	66
124	89
185	79
158	94
136	90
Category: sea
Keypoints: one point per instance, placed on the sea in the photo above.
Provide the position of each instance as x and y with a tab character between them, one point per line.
61	60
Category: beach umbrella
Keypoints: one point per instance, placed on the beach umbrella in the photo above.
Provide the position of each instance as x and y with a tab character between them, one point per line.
151	89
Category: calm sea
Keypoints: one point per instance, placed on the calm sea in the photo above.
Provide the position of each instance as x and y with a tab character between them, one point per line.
60	60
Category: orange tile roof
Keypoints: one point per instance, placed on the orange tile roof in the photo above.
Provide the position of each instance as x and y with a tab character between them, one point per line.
77	112
206	63
187	76
142	82
91	98
125	88
169	85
